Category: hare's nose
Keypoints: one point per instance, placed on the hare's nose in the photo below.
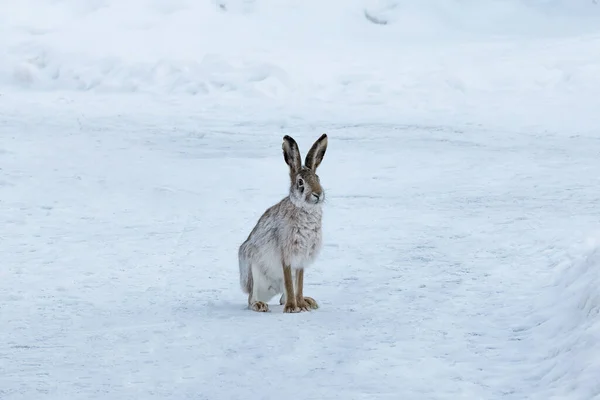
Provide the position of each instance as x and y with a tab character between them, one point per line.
316	195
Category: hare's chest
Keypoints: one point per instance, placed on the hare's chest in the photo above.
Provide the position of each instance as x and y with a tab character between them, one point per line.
304	243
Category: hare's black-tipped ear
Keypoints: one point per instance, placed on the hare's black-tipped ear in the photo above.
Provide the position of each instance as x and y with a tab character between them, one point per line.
291	154
316	153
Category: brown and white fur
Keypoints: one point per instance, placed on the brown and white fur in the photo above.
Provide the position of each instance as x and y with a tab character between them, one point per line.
287	238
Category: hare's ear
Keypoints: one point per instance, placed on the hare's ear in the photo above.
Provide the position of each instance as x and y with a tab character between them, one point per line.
291	154
316	153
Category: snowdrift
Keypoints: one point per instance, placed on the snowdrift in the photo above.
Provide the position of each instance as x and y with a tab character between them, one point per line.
569	329
418	53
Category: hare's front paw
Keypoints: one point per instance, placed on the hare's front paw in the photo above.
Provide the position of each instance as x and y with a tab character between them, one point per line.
259	306
291	307
307	303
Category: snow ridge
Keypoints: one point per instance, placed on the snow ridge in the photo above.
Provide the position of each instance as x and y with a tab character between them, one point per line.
236	47
568	325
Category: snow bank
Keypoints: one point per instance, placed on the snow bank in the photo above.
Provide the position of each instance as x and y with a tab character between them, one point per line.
435	54
504	17
569	329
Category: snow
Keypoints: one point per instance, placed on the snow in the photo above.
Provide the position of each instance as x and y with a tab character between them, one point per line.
140	141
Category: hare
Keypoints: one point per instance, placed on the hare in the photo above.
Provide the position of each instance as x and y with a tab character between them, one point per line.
287	237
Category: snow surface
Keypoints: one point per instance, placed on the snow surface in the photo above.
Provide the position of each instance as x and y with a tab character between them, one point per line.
140	141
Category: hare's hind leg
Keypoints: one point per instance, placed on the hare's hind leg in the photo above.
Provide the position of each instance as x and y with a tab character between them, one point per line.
257	305
257	298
